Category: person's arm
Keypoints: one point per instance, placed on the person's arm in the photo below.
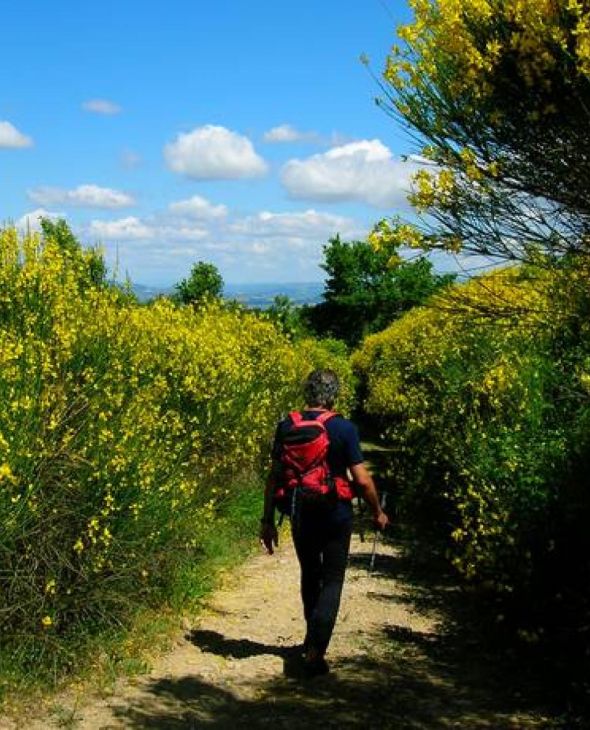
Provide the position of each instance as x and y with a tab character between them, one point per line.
364	481
269	536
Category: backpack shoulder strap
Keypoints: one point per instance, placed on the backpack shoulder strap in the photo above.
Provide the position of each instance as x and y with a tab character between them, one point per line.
323	417
295	417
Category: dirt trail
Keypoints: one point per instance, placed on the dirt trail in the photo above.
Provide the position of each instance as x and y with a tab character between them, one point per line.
391	666
398	659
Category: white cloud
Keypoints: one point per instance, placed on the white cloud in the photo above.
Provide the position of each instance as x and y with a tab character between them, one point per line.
84	196
213	153
101	106
162	246
260	249
180	233
11	137
199	208
136	229
363	171
309	224
123	229
287	133
291	242
30	221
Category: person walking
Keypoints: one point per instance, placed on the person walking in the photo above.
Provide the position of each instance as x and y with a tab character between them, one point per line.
321	524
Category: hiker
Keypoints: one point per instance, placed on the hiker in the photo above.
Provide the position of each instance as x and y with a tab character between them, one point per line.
319	504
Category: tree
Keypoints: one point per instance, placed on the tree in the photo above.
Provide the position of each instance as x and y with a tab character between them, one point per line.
93	266
497	94
59	232
287	316
204	282
364	292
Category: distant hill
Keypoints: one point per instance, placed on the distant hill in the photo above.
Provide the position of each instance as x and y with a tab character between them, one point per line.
262	295
145	293
251	295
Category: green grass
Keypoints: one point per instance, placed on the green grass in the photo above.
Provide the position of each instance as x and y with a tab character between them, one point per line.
96	657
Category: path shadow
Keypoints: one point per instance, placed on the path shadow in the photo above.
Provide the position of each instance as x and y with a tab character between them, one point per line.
392	693
378	460
409	680
384	566
216	643
467	649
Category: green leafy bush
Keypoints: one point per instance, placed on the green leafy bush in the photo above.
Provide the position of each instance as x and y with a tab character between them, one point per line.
484	397
122	432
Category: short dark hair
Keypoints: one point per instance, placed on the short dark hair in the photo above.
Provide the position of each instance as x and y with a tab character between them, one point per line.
321	388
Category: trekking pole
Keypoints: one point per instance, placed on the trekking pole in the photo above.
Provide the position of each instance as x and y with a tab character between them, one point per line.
361	508
374	551
361	511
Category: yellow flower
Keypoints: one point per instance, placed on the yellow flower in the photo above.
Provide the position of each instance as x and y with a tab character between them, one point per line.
50	587
46	622
6	473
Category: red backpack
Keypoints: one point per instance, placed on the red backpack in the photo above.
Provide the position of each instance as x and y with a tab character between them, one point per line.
305	473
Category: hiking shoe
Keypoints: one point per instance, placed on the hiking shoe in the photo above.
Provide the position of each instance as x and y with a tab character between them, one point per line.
315	667
293	652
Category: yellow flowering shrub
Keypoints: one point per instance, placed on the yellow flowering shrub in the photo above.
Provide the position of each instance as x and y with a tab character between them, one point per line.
486	397
476	35
122	432
496	94
462	389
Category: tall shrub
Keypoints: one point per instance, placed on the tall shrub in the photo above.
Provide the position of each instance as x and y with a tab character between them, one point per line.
486	412
122	431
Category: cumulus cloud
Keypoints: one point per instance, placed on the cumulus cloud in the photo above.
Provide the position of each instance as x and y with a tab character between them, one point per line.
198	208
309	224
286	244
213	153
84	196
11	137
287	133
137	229
180	233
31	221
364	171
267	244
123	229
101	106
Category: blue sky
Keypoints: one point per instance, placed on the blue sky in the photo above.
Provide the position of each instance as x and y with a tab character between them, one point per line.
241	133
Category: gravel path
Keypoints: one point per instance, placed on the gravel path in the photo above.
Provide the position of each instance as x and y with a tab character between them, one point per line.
394	659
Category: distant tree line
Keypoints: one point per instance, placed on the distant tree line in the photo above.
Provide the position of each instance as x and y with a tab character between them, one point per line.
365	291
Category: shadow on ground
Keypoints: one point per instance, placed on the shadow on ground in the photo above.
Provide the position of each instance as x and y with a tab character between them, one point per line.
215	643
407	691
456	677
408	680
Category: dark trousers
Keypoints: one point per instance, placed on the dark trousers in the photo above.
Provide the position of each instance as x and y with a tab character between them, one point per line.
322	544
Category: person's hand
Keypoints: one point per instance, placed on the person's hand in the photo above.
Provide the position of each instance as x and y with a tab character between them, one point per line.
269	537
381	521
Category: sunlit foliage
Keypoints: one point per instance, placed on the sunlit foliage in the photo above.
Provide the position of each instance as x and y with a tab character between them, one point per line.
496	93
122	430
484	397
